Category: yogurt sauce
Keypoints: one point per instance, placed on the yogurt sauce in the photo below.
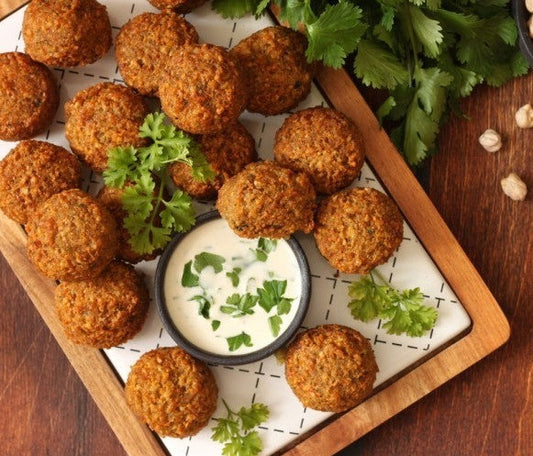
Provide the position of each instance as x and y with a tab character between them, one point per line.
222	298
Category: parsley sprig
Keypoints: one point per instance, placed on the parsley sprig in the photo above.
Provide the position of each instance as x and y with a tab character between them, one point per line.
152	217
236	431
427	54
403	311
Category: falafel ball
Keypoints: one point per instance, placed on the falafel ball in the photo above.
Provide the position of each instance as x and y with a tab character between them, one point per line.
66	33
111	197
172	392
202	89
29	96
104	311
325	144
72	236
180	6
358	229
274	61
144	44
267	200
101	117
228	152
331	368
31	173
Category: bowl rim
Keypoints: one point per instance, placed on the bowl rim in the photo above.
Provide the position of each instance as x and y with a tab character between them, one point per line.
228	359
521	16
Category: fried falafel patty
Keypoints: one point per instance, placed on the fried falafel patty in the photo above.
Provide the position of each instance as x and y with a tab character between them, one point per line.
29	96
104	311
202	89
72	236
111	197
330	368
268	200
279	77
66	33
144	44
358	229
172	392
325	144
101	117
31	173
228	152
180	6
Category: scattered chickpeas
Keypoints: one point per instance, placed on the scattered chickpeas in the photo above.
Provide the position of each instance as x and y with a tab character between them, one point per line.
524	116
491	140
514	187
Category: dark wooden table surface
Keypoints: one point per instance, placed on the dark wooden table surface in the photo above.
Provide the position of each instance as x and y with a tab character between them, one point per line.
487	410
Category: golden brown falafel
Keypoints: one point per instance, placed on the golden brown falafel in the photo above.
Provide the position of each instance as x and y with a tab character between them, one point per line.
325	144
111	198
358	229
228	152
66	33
72	236
172	392
330	368
144	44
267	200
101	117
31	173
202	89
29	96
104	311
278	75
180	6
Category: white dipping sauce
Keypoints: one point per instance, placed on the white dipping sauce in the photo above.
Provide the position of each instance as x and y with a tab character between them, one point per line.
215	237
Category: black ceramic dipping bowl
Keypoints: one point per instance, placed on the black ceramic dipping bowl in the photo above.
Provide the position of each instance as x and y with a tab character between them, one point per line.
521	15
229	359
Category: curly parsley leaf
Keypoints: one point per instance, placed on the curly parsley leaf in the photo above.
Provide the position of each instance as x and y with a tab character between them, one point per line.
403	311
237	433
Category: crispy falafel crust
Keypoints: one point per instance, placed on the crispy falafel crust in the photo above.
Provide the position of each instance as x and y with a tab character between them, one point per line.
66	33
31	173
330	368
104	311
279	77
180	6
172	392
72	236
144	44
358	229
202	89
111	198
268	200
325	144
228	152
29	96
101	117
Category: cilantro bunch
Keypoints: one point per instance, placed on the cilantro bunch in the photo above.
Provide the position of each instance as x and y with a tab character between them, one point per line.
427	54
236	431
142	173
403	311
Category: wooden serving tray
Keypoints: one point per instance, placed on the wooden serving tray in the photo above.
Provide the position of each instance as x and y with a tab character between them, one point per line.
488	331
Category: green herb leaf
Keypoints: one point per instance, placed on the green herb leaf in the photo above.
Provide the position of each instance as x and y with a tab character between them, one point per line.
403	311
204	305
271	293
236	430
215	324
189	278
234	276
236	342
275	322
205	259
239	305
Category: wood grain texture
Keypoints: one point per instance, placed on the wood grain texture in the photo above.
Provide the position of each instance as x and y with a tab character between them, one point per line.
487	410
